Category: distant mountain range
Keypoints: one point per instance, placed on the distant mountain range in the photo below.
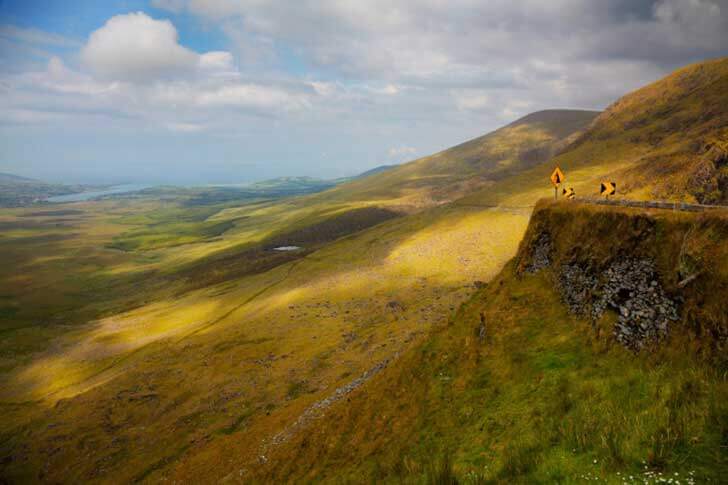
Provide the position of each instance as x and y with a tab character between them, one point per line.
8	178
17	191
313	184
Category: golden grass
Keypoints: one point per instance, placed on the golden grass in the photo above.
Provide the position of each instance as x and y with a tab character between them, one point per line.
137	377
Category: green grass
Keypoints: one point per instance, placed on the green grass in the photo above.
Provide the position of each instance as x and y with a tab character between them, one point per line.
169	234
198	312
543	399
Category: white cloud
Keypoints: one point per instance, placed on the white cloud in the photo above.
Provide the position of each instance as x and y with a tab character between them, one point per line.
60	78
470	41
323	88
133	68
137	48
170	5
218	63
389	89
362	79
251	95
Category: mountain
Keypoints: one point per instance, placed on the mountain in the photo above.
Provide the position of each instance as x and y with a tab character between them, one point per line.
667	140
457	171
202	353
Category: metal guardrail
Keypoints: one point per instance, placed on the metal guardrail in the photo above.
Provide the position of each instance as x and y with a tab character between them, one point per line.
654	204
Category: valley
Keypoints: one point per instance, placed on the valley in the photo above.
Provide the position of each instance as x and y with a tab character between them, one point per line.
162	337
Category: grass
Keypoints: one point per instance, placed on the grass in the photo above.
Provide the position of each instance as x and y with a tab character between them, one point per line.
543	399
169	235
189	347
246	341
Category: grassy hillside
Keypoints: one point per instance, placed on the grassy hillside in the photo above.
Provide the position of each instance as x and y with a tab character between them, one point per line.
664	141
516	388
162	336
186	374
454	172
668	140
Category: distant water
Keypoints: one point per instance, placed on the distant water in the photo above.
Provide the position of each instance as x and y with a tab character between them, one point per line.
287	248
116	189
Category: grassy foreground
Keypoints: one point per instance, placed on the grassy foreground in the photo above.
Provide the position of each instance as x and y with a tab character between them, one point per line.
542	397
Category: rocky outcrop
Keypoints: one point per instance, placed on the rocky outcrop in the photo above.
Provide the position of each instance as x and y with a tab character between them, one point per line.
629	287
632	289
645	274
577	286
540	254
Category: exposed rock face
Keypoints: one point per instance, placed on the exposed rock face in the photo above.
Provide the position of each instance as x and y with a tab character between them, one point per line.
577	286
630	288
540	254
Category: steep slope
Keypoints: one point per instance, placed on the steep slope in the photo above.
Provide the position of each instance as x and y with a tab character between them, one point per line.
667	140
457	171
664	141
521	386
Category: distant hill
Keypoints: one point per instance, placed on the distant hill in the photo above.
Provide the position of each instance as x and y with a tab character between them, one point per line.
17	191
8	178
462	169
293	184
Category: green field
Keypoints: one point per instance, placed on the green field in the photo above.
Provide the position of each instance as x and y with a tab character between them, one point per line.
160	335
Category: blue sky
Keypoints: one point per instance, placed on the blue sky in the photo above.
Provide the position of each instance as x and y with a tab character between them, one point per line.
213	91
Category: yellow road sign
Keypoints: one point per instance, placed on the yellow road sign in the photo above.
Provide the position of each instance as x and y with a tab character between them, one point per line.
608	188
569	193
557	177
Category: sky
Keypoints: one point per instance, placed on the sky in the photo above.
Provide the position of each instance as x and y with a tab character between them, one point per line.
234	91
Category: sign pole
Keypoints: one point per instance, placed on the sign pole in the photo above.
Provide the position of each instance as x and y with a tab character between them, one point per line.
556	192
